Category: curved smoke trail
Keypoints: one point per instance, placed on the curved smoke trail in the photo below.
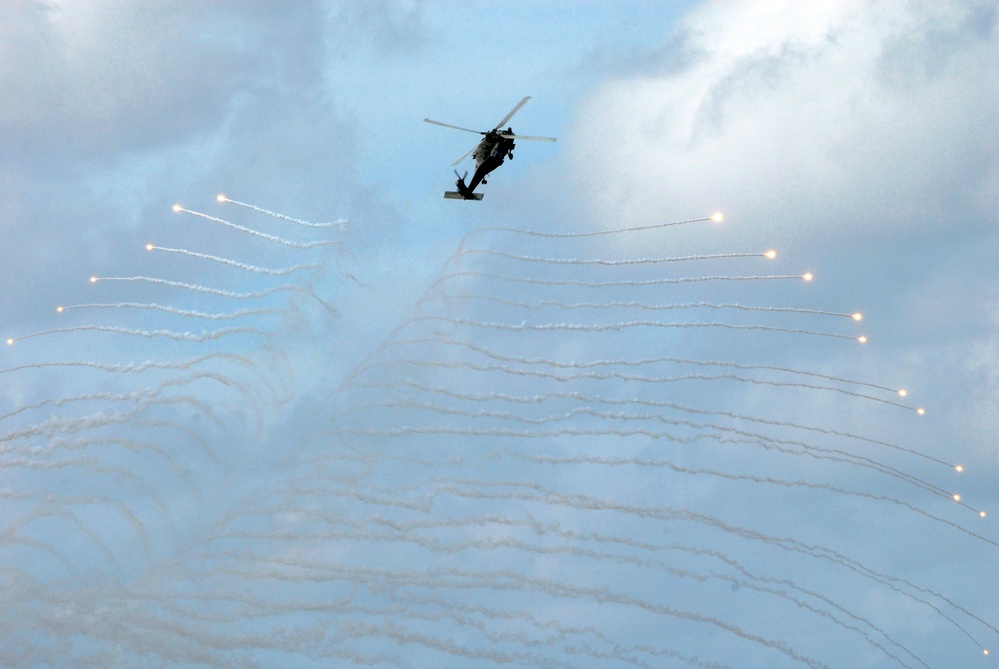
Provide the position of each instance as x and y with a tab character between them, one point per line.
527	471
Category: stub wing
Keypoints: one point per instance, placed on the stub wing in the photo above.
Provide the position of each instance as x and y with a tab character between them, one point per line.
455	195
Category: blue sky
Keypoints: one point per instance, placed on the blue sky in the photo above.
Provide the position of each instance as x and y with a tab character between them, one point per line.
539	430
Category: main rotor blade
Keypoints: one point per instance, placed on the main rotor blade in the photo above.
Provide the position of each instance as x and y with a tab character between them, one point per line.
456	127
464	155
513	111
543	139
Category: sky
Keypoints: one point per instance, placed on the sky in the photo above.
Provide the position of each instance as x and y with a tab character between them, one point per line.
329	418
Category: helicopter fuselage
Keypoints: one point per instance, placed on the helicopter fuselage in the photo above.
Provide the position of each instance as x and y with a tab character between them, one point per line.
489	154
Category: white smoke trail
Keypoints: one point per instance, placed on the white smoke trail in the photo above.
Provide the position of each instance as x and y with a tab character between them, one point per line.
594	233
155	365
548	496
140	396
405	533
542	304
585	502
636	362
257	233
612	283
742	436
240	313
431	543
84	463
588	399
503	581
341	223
563	631
234	263
605	327
223	293
613	374
406	530
307	567
759	439
607	263
136	367
57	444
55	425
148	334
763	480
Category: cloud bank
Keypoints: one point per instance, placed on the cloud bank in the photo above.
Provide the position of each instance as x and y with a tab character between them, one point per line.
599	440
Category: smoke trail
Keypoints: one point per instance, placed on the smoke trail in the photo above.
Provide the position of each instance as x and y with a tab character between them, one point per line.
340	223
612	283
565	549
148	334
541	304
787	446
657	380
763	480
138	396
56	424
508	580
536	492
240	313
604	327
637	362
135	367
595	233
405	533
233	263
294	288
563	631
742	437
608	263
257	233
354	533
407	529
539	398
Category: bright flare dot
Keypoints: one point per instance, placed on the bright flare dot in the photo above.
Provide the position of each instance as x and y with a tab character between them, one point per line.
959	468
808	277
717	217
902	392
862	339
921	412
177	207
60	309
985	650
957	498
10	342
771	254
857	316
93	279
221	198
982	514
150	247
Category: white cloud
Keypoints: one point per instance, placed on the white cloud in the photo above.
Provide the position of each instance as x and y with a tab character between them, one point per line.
867	115
96	77
392	516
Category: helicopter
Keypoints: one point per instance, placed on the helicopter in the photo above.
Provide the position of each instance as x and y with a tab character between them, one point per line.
496	145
